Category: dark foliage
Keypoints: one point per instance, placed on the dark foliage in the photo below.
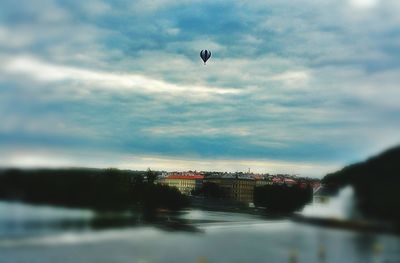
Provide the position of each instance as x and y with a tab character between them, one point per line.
163	196
100	189
376	183
282	198
151	176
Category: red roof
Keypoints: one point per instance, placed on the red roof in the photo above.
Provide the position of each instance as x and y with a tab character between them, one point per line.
283	180
291	181
191	177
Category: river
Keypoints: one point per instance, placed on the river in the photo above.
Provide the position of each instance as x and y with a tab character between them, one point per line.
45	234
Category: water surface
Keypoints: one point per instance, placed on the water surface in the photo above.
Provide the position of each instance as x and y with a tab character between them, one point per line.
189	236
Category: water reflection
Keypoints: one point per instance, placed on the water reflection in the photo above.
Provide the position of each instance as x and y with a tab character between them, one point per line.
21	219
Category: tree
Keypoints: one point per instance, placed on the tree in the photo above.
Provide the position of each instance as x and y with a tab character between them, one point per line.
151	176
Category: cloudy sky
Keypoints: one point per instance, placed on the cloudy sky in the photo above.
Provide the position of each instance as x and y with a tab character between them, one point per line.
300	87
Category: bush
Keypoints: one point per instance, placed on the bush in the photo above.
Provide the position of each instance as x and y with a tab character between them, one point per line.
282	198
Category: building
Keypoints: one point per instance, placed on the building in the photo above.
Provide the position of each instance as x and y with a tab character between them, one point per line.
243	190
184	183
235	188
262	180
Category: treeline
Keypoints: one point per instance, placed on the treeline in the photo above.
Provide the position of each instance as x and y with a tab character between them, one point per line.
376	183
282	198
100	189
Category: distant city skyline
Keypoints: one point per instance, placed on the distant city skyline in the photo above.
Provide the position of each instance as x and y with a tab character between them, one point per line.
302	88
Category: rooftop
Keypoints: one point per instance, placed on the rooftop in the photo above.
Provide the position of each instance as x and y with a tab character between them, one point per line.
185	177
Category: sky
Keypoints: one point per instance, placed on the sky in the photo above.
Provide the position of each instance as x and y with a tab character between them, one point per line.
301	87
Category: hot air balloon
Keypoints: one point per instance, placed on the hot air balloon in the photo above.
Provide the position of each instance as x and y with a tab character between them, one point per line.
205	55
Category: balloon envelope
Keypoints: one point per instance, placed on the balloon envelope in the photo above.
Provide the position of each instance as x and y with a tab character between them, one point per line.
205	55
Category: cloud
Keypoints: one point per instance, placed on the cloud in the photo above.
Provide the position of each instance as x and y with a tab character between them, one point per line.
91	79
364	3
306	82
9	39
